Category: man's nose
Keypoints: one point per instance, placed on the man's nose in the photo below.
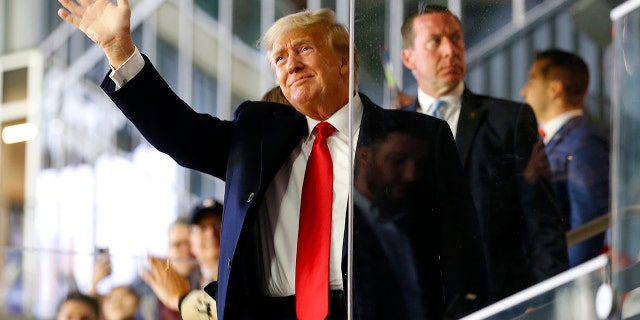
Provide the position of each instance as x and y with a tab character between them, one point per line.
293	63
409	174
447	46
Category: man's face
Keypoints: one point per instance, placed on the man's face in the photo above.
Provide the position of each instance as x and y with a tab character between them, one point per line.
535	90
437	56
312	76
393	167
204	237
179	251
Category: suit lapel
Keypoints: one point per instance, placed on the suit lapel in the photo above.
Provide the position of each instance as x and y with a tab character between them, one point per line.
471	115
280	137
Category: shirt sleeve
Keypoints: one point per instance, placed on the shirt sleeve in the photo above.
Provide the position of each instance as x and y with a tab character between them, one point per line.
127	70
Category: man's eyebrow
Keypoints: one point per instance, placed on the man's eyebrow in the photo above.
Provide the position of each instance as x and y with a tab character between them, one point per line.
294	43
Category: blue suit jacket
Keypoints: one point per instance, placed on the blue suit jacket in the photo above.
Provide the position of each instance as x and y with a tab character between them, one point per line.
522	234
579	159
247	152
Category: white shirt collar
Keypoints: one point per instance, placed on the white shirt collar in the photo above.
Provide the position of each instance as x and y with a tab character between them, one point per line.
340	119
552	126
453	99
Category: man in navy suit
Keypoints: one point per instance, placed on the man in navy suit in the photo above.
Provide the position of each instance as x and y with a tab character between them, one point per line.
262	155
578	153
522	235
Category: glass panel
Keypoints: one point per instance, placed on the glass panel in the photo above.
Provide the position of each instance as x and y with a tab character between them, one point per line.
570	295
626	178
12	169
209	6
516	211
246	20
482	18
14	85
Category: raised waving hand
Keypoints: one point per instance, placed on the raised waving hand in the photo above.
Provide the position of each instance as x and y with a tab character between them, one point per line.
104	23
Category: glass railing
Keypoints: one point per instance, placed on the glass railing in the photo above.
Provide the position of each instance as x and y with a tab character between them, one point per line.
569	295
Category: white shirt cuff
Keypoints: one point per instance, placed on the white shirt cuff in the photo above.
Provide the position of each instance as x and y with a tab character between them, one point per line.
197	304
127	70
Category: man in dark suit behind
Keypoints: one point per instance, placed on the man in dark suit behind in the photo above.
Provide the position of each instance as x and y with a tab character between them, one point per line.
522	235
262	156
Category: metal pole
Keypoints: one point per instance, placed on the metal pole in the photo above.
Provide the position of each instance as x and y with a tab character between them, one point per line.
351	143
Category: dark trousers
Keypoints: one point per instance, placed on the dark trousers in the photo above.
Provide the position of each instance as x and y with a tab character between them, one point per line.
284	308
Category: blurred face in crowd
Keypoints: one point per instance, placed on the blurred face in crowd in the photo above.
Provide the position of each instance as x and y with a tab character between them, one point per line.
204	237
313	77
436	57
536	90
120	304
76	310
179	251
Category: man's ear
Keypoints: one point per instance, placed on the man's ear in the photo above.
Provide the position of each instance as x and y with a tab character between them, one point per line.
344	65
407	58
555	89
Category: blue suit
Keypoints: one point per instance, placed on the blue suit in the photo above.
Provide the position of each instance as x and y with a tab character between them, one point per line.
247	153
521	231
579	159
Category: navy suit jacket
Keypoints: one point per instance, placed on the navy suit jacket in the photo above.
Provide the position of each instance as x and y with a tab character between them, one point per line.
247	152
579	159
522	234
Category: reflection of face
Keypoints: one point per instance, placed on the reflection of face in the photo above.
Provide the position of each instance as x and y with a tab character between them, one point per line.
205	237
76	310
120	304
535	91
392	167
437	55
179	251
312	76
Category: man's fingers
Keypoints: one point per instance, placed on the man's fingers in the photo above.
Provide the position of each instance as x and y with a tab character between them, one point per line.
146	277
72	7
124	3
157	267
66	16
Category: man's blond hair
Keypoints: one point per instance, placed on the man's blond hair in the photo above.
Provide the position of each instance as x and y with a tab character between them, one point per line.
336	34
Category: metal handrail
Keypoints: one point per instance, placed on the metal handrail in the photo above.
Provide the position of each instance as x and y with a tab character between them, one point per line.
589	229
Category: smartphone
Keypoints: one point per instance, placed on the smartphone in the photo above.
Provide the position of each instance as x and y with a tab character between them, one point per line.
101	252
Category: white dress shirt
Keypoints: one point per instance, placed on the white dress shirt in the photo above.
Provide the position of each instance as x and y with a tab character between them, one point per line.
279	216
451	113
552	126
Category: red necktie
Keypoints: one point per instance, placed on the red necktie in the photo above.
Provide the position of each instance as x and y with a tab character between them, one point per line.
541	132
314	235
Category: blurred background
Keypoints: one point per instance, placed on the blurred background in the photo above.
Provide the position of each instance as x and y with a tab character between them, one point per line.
75	175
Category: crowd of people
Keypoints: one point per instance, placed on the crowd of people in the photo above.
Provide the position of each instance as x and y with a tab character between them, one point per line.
192	254
460	199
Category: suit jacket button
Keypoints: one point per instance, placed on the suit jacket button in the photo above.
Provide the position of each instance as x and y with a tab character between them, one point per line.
250	197
229	263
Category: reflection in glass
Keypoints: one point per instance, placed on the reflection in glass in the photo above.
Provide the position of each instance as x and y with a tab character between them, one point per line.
413	222
626	152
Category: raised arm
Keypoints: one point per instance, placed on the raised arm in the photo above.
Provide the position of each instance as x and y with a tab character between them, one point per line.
104	23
